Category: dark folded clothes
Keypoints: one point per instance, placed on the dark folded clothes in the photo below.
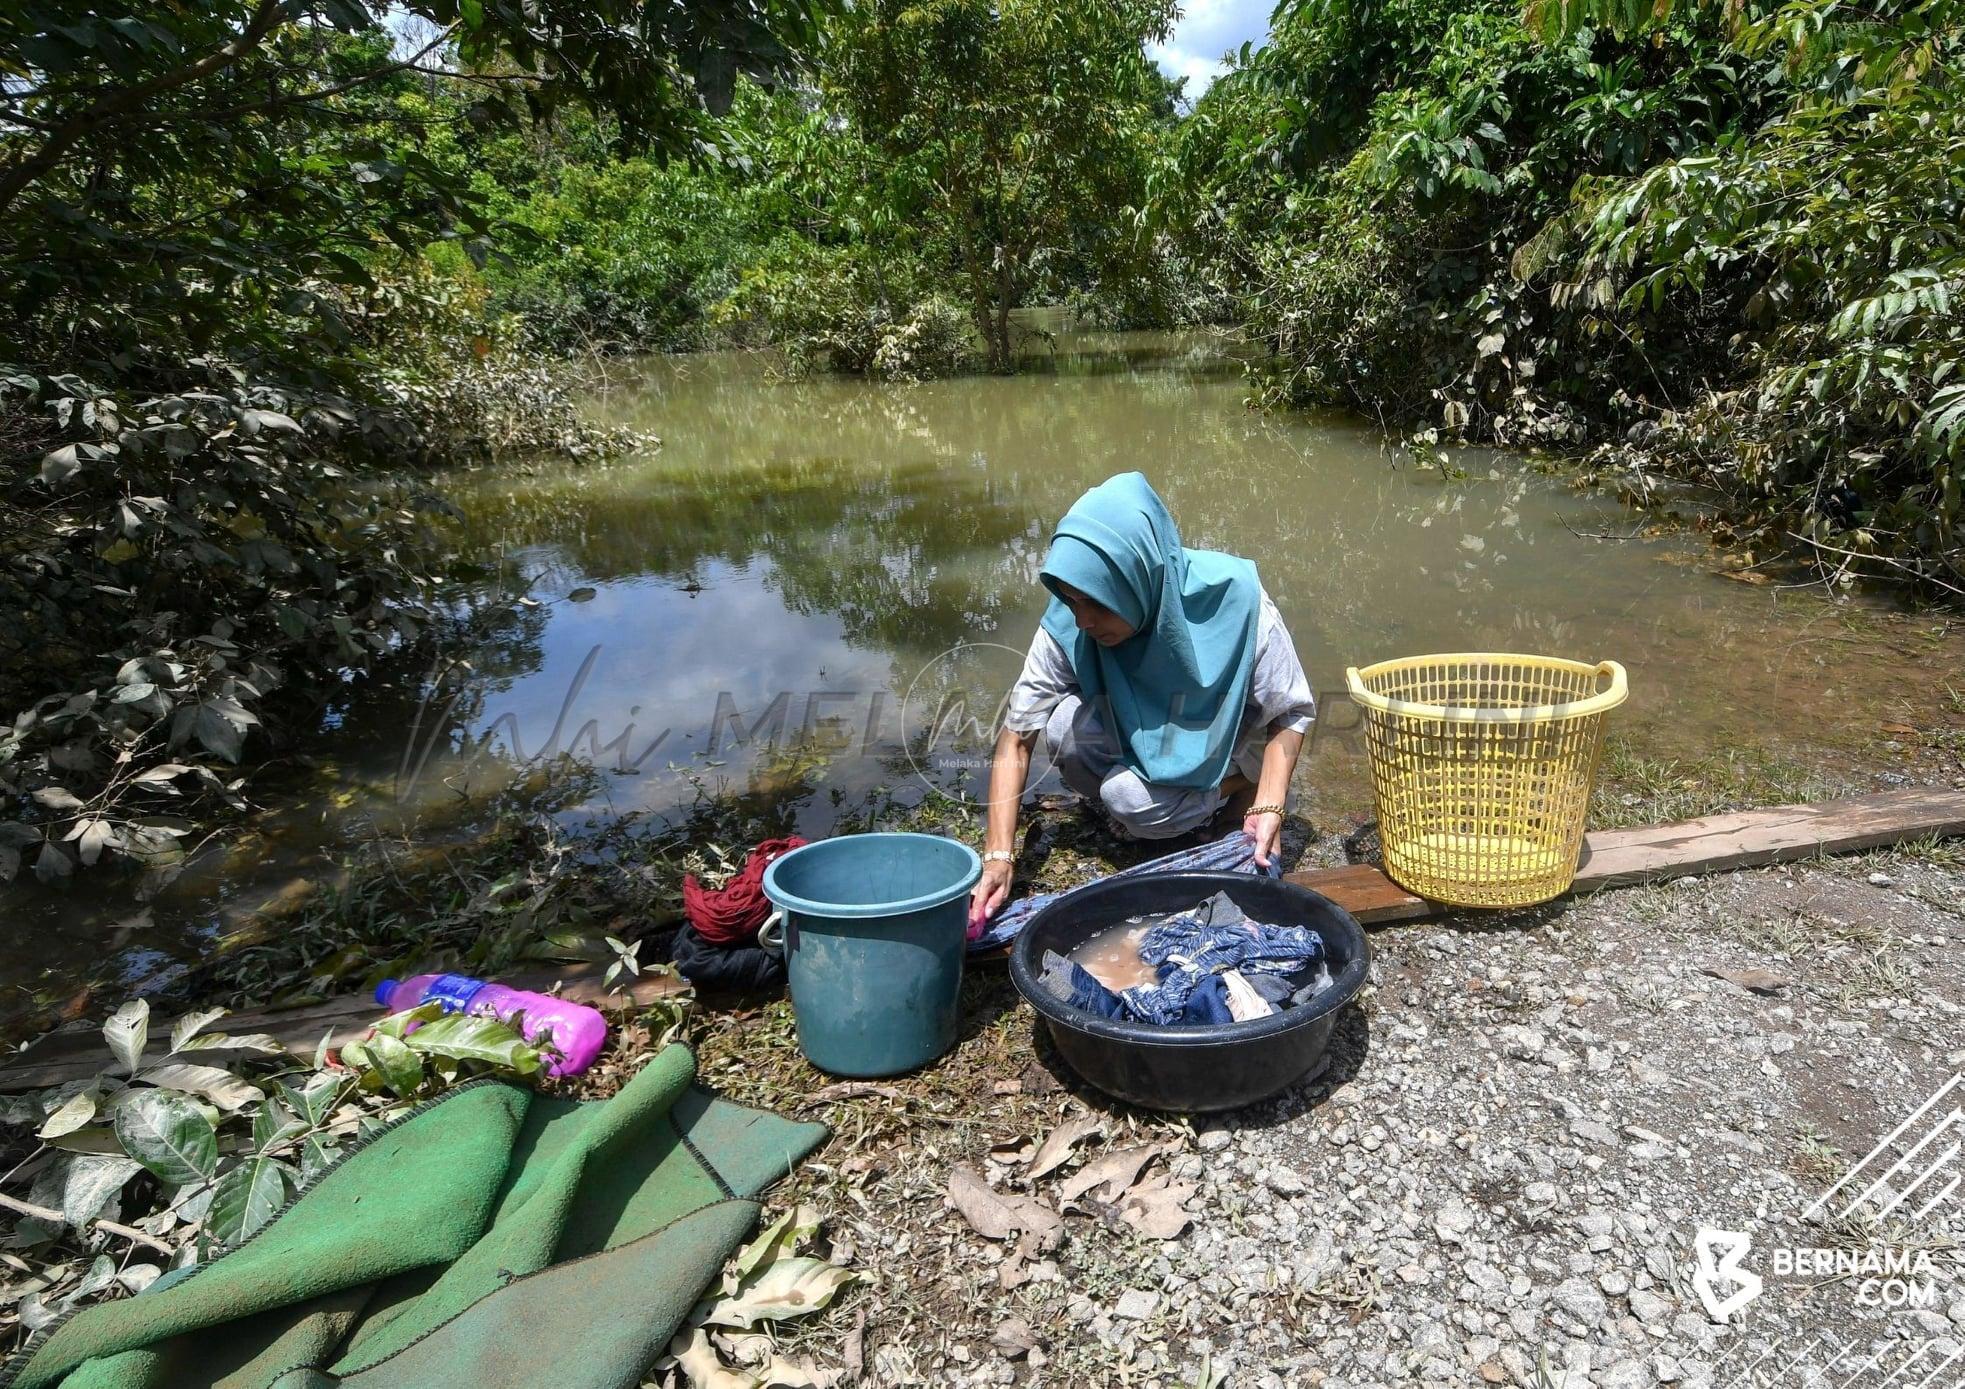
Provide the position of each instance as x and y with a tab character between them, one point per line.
1203	944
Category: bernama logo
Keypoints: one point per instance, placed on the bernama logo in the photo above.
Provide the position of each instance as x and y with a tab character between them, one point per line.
1879	1276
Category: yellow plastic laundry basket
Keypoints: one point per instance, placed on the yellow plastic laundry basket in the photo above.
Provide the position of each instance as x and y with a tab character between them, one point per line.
1482	763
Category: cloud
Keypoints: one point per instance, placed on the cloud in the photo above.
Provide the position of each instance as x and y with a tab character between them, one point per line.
1207	29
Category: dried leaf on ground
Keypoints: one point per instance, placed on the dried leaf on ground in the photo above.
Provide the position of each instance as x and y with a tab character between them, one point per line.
780	1373
1038	1081
850	1090
1059	1143
1011	1151
782	1238
1752	979
1154	1207
783	1288
1001	1214
745	1349
701	1367
853	1354
1013	1339
867	1168
1115	1172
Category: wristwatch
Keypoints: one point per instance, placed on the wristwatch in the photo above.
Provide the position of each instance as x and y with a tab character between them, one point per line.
999	856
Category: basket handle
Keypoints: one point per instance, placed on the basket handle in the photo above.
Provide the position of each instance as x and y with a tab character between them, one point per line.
1620	684
1620	688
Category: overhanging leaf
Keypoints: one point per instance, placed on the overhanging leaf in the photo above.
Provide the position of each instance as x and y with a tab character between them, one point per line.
262	1043
91	1181
92	836
126	1032
74	1112
102	1272
191	1024
169	1135
400	1067
464	1037
399	1024
245	1199
275	1124
316	1099
218	735
216	1084
96	1138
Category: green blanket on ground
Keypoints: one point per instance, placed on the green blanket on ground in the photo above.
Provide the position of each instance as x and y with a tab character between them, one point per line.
493	1238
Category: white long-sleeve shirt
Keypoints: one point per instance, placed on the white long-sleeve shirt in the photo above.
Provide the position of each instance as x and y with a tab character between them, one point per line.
1279	691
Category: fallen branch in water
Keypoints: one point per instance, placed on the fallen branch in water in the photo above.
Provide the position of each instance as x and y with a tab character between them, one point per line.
1598	535
1910	569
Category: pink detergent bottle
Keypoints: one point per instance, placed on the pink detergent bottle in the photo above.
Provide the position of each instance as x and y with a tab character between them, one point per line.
572	1030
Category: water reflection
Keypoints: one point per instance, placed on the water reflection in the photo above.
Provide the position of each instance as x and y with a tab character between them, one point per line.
890	523
746	609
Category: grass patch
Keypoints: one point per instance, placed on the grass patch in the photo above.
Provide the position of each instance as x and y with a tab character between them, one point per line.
1633	789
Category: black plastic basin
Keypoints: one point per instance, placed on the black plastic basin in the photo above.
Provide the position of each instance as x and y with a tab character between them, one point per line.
1191	1069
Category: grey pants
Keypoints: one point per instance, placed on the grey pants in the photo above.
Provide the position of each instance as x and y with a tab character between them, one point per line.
1087	757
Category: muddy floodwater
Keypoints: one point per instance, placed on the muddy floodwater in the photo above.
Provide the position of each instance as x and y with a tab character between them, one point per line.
818	591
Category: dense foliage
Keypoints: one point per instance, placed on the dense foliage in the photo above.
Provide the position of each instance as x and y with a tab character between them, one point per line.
224	336
1721	241
945	164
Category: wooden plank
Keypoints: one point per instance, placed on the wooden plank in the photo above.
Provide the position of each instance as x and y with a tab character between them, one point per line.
1365	892
76	1053
1686	848
1780	834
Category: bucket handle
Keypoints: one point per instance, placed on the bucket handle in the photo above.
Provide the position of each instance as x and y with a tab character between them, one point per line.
778	941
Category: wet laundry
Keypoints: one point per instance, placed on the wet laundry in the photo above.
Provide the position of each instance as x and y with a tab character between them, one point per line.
1234	852
1077	987
1212	964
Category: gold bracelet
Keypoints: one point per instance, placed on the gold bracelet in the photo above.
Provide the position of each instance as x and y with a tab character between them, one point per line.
1264	810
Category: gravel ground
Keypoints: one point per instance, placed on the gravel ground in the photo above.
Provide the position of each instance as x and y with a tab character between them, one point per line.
1526	1122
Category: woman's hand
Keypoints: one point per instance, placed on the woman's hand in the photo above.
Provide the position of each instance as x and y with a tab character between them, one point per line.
992	890
1267	832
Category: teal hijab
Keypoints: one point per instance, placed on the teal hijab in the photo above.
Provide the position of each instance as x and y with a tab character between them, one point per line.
1172	692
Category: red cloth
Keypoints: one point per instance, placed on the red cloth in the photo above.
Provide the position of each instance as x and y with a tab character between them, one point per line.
732	914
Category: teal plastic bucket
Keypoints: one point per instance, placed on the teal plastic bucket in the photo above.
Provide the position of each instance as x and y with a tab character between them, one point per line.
875	928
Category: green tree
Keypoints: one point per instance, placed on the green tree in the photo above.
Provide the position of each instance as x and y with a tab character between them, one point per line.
1015	129
1832	242
174	178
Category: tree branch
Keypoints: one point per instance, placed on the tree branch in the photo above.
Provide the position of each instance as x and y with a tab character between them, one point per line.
409	64
17	178
53	1217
